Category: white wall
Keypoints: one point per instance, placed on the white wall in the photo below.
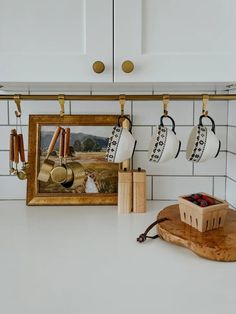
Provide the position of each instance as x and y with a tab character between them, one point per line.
165	182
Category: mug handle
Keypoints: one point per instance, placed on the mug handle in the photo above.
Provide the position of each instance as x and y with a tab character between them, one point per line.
172	120
127	118
213	127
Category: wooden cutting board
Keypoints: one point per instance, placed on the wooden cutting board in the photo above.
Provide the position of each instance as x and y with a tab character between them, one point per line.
218	244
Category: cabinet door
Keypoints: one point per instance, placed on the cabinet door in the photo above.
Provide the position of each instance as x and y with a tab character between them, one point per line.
175	41
55	40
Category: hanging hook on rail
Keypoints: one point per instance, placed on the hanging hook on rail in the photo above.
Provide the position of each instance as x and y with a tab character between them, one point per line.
122	105
17	100
61	100
205	99
166	100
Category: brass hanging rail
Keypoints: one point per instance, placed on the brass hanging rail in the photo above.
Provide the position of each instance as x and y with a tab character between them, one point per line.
117	97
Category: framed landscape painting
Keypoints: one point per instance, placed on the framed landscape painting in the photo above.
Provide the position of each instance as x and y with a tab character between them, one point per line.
90	179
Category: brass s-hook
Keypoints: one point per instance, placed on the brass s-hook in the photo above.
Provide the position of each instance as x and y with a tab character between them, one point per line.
17	100
166	100
205	99
61	100
122	105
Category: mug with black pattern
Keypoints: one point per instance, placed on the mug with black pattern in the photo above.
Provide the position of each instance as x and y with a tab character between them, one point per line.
121	143
203	143
164	144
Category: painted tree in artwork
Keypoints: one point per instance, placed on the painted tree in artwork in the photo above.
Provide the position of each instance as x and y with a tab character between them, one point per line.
88	145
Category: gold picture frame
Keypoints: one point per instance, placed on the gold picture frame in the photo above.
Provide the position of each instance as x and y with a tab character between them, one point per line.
40	127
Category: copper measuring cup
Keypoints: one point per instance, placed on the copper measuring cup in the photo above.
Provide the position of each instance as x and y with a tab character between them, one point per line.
75	174
59	173
16	151
11	152
22	174
47	166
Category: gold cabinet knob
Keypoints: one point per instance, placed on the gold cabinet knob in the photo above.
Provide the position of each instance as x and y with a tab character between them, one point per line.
127	66
98	67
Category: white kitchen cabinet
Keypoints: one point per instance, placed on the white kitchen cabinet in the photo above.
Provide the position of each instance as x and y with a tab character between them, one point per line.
175	41
55	40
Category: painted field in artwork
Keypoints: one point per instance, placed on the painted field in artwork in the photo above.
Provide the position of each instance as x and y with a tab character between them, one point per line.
87	147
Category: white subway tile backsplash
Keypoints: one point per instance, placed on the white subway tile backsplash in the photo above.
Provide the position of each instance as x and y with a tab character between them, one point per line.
143	136
98	107
35	107
230	191
232	113
178	166
231	166
149	112
221	132
12	188
4	112
5	134
215	166
182	133
4	164
219	187
232	139
171	187
218	110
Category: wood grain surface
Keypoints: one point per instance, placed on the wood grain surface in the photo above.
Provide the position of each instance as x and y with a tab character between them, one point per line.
218	244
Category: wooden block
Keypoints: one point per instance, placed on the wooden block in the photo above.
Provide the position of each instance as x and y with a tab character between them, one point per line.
139	191
124	191
126	163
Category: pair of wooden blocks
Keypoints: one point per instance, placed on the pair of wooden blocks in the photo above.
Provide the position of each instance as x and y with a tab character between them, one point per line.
132	191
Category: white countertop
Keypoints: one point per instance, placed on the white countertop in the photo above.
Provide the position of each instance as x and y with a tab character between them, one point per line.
85	260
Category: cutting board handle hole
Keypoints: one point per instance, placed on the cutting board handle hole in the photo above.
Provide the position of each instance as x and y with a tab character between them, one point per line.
184	216
196	223
219	221
191	219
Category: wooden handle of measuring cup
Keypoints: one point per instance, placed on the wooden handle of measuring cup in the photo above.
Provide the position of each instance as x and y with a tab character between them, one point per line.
21	147
67	142
54	139
11	153
16	148
61	144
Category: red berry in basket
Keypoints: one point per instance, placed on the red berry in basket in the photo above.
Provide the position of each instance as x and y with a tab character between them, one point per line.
203	203
196	197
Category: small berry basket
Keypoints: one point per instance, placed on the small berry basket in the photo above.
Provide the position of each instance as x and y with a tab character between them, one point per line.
202	211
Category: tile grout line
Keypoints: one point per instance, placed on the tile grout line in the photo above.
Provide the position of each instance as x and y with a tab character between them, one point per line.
8	113
226	161
152	187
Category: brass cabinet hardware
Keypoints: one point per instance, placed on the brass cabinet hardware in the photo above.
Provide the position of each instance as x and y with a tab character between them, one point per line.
98	67
205	99
122	105
17	99
61	100
127	66
165	100
139	97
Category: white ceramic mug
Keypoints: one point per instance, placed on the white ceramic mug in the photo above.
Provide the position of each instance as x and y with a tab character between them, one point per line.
121	143
164	144
203	144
